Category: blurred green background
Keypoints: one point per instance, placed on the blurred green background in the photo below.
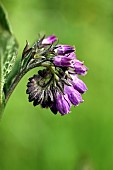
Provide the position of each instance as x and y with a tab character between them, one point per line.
32	138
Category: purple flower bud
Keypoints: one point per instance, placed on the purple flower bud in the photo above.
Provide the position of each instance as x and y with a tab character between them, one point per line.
62	103
64	49
49	40
80	68
53	108
65	61
73	95
78	84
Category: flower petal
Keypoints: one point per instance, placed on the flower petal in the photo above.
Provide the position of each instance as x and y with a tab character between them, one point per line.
49	40
73	95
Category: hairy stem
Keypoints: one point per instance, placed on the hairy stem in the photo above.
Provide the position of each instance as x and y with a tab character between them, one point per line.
18	77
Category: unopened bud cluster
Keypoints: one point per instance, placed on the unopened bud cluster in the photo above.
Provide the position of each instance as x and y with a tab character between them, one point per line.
57	86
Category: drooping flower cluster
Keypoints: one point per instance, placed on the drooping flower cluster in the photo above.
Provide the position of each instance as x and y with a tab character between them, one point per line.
58	86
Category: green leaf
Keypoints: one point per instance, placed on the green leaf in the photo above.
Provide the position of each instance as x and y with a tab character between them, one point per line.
8	52
9	55
4	23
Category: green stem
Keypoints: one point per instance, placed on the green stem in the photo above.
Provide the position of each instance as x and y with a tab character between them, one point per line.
19	77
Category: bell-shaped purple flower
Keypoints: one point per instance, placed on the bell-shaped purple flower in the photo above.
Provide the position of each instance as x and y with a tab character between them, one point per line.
62	103
73	95
78	84
66	60
49	40
80	68
64	49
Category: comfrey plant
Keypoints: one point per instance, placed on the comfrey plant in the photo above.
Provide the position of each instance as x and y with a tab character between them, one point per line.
57	86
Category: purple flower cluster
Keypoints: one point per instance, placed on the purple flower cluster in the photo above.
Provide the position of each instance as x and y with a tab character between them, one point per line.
58	86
